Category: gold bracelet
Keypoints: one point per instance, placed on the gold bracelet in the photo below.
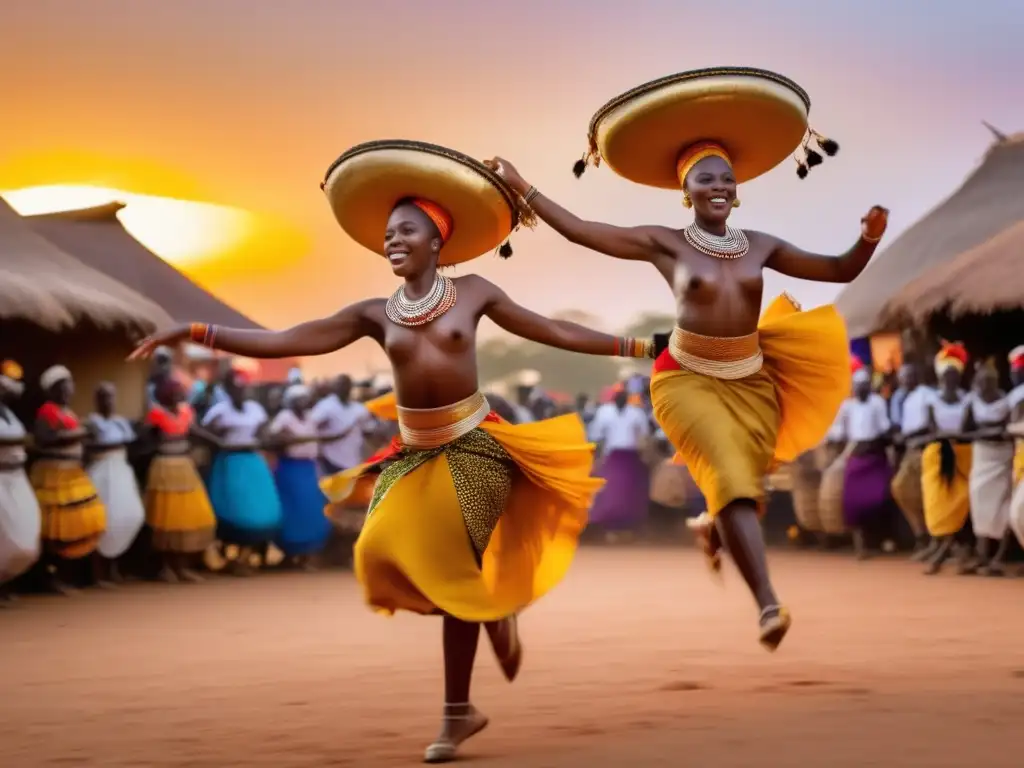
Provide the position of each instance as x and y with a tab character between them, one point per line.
531	193
872	240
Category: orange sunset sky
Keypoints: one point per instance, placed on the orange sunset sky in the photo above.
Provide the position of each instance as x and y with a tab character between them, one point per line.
245	103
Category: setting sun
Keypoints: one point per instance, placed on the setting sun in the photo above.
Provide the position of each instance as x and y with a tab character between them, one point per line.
182	232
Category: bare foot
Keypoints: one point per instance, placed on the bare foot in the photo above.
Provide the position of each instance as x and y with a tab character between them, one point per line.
58	587
461	721
167	575
703	527
187	574
504	637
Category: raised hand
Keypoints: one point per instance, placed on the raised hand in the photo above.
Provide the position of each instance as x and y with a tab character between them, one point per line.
508	172
874	223
168	338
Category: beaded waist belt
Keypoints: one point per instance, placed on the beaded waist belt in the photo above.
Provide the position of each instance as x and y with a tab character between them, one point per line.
434	427
733	357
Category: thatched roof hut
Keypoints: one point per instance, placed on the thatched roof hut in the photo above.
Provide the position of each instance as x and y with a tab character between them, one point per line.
47	286
989	201
97	237
55	309
986	279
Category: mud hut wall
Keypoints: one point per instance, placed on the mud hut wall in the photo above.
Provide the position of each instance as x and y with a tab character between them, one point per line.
92	356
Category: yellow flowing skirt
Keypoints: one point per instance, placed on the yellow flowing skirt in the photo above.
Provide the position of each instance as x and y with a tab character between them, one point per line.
731	432
946	505
1018	462
478	528
73	516
177	508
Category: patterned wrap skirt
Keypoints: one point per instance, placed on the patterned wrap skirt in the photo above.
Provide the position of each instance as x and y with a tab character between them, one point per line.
73	514
478	525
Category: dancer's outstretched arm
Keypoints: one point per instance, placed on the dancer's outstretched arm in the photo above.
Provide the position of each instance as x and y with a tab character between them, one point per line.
316	337
647	243
560	334
792	261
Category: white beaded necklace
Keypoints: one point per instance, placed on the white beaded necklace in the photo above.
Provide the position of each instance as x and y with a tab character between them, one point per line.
732	245
402	310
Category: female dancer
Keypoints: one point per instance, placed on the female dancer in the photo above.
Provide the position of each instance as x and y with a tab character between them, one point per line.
20	523
177	508
74	518
945	461
991	479
304	526
115	482
472	517
732	394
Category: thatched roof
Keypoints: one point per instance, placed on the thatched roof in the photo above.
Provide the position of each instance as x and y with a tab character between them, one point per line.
45	285
989	201
96	237
983	280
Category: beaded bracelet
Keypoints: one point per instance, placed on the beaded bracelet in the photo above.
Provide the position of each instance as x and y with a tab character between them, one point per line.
630	347
204	334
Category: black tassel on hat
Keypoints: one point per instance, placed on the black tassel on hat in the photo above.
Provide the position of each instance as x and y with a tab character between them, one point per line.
828	146
813	158
505	251
579	167
801	170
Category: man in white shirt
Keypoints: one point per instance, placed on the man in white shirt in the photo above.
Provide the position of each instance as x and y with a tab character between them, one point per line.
341	426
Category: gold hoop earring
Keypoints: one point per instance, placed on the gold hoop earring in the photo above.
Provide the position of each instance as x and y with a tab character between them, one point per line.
735	202
687	202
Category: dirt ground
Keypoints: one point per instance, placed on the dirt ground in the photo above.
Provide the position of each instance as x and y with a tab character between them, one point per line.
638	660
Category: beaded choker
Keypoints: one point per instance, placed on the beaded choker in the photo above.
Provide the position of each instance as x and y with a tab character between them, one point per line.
731	245
439	299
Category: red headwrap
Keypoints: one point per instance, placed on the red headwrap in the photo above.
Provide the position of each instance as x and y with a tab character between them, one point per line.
855	364
1017	358
441	218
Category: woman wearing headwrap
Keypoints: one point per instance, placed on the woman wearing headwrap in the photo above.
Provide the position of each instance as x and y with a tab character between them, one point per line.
110	435
20	522
74	519
304	526
178	510
867	474
734	394
472	517
991	478
241	484
946	461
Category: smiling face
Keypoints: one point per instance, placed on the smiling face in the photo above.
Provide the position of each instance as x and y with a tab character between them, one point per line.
412	241
711	186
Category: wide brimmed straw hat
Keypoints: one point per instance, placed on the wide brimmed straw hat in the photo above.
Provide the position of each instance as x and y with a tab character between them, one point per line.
365	183
757	116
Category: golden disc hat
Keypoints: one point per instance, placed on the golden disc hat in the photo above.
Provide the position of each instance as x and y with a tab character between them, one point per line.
757	117
365	183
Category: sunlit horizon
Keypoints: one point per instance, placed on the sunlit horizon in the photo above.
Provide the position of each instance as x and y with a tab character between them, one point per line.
184	233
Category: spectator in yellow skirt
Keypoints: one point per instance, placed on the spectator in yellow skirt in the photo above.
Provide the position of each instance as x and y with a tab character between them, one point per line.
945	462
73	515
177	508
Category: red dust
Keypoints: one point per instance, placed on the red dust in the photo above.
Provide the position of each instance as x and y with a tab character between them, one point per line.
639	659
